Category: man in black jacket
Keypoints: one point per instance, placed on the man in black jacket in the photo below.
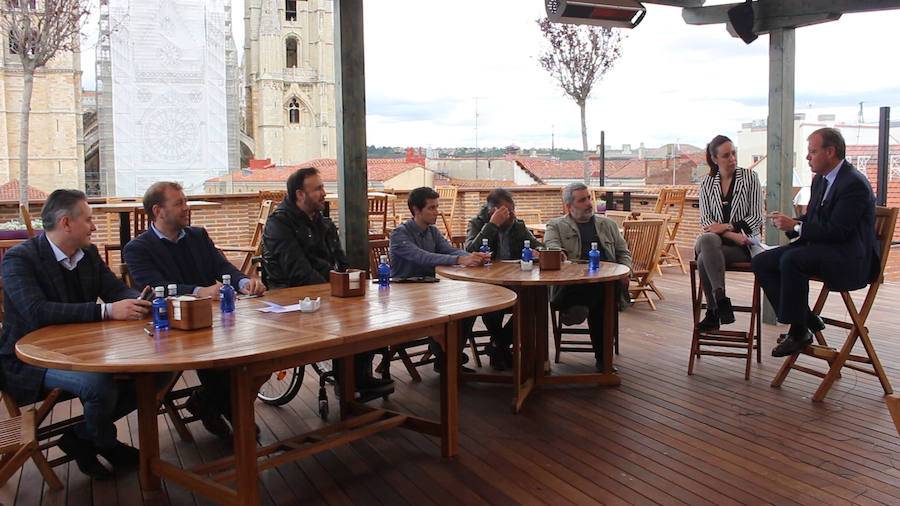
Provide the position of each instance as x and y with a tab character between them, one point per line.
56	278
172	252
301	246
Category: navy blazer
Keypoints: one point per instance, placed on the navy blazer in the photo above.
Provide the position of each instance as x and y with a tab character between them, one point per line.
150	262
843	229
34	297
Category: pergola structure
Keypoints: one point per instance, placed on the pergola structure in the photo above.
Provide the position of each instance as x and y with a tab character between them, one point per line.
778	18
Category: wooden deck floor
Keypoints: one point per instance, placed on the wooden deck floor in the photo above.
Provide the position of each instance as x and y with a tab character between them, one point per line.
661	437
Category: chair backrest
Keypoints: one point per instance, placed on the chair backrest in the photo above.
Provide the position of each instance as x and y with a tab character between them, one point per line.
619	216
885	221
273	195
265	209
378	208
671	201
26	217
530	216
126	275
644	239
447	195
377	248
458	241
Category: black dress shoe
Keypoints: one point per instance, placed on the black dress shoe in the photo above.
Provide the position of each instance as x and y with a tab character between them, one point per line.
814	322
498	361
726	313
709	322
373	383
85	455
212	420
792	344
121	455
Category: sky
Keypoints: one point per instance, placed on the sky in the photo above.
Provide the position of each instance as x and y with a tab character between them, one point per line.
430	64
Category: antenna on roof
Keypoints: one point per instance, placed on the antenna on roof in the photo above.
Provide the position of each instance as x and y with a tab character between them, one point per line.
860	118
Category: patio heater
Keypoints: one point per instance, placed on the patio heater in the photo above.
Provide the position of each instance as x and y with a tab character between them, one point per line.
606	13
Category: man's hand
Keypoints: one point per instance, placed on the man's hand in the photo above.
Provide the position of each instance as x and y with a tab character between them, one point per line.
210	291
716	228
473	259
499	216
782	222
254	287
130	309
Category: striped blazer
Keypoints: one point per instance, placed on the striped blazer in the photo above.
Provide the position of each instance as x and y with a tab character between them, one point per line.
747	213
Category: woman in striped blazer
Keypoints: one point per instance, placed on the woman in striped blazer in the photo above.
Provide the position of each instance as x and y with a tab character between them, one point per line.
731	212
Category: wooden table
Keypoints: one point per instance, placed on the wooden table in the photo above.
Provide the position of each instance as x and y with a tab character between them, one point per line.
252	345
538	229
124	209
530	341
626	195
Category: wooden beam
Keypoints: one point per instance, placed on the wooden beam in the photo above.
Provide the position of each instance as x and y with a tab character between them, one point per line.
350	98
780	135
774	14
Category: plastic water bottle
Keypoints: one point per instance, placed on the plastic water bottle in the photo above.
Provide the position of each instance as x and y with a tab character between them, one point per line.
226	295
527	254
485	249
593	258
160	309
384	272
173	290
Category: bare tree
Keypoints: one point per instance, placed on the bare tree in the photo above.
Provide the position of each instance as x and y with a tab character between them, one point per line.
37	31
578	56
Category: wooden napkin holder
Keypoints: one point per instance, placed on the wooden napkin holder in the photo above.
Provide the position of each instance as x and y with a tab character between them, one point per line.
187	312
550	259
350	283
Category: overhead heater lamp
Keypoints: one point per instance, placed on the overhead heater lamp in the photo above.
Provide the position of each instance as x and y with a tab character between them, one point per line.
607	13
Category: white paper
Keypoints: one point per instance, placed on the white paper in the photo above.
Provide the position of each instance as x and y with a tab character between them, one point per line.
275	308
764	246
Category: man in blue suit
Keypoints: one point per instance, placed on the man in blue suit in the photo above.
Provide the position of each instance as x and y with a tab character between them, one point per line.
834	240
57	278
172	252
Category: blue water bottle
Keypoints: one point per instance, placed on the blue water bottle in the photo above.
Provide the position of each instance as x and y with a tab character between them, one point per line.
593	258
485	249
384	272
527	254
226	295
160	309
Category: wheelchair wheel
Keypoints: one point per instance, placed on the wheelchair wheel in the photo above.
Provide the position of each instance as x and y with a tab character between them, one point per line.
282	386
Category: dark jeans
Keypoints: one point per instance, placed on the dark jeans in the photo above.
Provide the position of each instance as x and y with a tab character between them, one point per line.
593	297
784	276
501	335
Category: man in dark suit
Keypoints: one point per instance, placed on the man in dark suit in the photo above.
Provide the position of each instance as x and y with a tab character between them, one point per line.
172	252
57	278
834	240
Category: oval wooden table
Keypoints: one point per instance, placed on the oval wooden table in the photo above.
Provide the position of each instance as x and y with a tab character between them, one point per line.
252	344
530	341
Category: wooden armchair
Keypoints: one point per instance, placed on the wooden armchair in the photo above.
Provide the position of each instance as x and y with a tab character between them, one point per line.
18	443
378	215
619	217
255	247
448	194
643	238
671	201
885	221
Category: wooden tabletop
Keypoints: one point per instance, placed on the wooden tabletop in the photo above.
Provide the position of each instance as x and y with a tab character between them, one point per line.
537	227
509	273
251	336
117	207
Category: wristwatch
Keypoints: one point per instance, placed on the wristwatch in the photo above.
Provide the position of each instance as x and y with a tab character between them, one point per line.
797	228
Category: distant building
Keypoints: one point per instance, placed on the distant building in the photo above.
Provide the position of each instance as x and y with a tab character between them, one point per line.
289	79
164	108
55	149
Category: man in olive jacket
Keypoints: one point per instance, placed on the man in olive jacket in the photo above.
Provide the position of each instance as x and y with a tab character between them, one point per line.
506	237
574	233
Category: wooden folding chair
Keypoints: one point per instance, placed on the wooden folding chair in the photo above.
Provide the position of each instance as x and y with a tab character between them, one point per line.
255	247
378	215
448	194
644	238
18	443
671	201
716	342
619	217
26	217
885	220
530	216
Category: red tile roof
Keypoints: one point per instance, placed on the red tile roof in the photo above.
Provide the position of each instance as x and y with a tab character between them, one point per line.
545	169
379	169
10	191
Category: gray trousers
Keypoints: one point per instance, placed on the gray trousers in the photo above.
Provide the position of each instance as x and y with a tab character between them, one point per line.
712	255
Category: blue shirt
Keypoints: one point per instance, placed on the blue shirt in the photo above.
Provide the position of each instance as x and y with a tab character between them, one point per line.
415	252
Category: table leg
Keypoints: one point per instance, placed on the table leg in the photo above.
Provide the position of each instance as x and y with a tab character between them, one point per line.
626	200
609	325
124	228
523	347
450	389
610	201
243	394
148	431
539	308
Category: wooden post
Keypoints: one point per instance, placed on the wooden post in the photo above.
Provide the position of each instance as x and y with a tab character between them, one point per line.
350	106
780	135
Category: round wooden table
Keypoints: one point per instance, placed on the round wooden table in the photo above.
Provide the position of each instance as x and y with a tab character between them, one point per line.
530	341
252	344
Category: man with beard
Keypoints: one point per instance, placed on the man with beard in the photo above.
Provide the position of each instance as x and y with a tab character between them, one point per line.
172	252
574	233
301	246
